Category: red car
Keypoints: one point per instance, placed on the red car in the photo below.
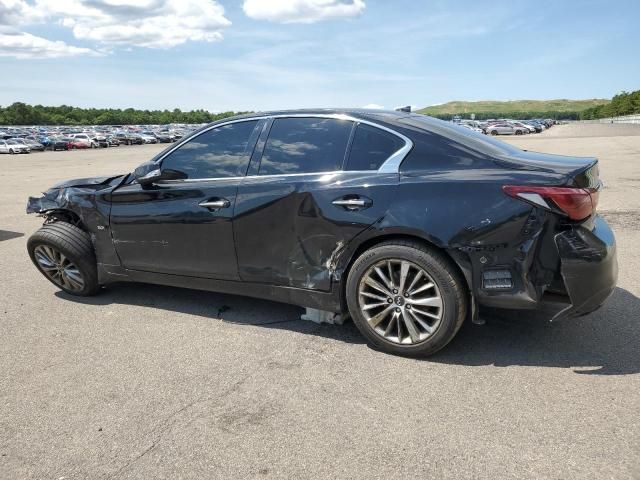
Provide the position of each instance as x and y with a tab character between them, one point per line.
76	143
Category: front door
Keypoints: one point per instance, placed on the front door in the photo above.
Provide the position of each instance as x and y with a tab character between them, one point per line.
184	226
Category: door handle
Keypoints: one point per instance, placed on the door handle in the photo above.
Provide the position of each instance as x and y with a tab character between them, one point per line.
215	203
354	203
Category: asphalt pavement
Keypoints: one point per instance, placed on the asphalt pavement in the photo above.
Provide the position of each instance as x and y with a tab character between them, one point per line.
147	382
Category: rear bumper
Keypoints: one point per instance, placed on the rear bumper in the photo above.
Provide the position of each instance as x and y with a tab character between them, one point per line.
589	267
562	275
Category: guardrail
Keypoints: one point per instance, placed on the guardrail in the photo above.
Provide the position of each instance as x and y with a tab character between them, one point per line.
624	119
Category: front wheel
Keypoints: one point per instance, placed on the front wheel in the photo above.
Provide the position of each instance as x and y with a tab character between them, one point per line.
406	298
494	132
64	255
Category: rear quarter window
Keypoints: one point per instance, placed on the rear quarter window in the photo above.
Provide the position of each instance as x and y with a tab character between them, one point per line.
440	143
371	147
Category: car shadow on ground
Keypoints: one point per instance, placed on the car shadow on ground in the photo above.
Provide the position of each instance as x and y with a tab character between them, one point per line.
606	342
9	235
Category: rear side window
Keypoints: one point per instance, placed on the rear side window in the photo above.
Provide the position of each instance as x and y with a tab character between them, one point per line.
371	147
305	145
219	152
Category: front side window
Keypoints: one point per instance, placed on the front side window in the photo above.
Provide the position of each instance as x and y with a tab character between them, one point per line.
305	145
216	153
371	147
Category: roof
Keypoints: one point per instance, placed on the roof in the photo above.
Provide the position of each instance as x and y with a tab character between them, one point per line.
354	112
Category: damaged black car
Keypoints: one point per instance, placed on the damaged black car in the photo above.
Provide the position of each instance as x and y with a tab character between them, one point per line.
409	224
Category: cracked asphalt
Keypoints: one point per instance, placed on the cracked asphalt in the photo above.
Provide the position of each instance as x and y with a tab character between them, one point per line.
146	382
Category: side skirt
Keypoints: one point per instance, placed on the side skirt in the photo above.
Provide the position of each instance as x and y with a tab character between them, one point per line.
328	301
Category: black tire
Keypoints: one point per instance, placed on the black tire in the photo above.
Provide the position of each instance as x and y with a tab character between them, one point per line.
494	132
444	274
76	246
518	132
11	152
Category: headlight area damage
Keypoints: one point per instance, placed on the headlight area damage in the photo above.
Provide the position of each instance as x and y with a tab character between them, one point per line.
85	204
75	196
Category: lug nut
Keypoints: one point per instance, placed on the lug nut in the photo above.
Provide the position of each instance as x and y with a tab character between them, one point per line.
395	291
408	307
390	300
398	310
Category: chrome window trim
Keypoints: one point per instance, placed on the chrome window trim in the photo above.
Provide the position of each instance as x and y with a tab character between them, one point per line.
214	179
390	165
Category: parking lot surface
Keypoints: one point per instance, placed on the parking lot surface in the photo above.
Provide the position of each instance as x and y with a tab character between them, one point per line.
156	382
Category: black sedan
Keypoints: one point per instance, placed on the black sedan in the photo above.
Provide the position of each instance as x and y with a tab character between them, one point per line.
60	143
409	224
126	138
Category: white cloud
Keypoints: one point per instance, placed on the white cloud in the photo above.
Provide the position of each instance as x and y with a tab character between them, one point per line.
373	106
24	45
17	12
141	23
302	11
138	23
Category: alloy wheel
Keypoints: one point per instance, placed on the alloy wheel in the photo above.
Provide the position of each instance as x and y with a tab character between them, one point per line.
400	301
62	271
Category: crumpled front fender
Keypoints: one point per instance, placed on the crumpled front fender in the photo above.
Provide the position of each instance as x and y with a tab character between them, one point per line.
87	205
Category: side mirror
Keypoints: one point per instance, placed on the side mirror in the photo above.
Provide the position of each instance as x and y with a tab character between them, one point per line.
147	173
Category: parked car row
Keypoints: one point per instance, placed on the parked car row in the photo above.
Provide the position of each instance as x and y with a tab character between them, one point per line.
507	126
29	139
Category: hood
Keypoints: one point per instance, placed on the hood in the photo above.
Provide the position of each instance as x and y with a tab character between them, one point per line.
87	182
65	195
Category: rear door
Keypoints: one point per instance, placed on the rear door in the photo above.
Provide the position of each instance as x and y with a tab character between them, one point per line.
313	186
184	226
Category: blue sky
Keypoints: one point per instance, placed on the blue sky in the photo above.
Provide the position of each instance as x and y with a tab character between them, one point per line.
268	54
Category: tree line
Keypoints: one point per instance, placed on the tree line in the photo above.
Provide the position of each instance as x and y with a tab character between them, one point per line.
22	114
625	103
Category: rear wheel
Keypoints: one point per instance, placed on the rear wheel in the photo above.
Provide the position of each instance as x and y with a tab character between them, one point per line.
11	152
494	132
406	298
64	255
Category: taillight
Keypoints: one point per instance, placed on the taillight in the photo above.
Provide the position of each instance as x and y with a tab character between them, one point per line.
575	203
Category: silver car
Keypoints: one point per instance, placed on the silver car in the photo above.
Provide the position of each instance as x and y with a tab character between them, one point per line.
504	128
13	146
527	128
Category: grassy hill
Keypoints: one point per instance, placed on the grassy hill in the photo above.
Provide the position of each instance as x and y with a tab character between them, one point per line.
505	108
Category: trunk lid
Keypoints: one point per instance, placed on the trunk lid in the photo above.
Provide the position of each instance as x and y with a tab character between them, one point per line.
575	171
